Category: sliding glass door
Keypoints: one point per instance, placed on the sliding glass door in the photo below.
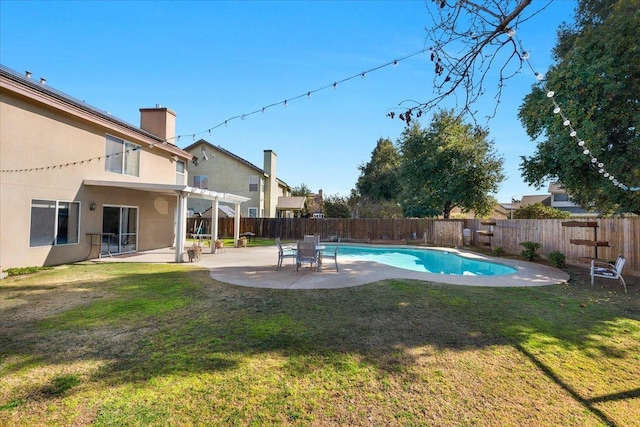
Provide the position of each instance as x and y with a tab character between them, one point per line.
120	228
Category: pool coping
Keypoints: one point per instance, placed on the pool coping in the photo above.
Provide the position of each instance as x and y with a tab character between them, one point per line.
256	267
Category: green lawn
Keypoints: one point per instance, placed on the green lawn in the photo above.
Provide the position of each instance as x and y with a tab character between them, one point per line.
138	345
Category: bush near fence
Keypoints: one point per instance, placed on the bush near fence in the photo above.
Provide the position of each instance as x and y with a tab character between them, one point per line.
622	234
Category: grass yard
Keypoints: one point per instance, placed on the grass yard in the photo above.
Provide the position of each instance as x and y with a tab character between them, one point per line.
143	345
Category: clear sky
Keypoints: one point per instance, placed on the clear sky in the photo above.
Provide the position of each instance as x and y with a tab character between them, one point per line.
210	61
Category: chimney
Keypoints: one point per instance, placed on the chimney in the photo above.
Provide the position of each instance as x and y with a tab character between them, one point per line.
159	121
271	187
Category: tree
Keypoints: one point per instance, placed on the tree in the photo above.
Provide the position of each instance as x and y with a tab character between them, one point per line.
449	164
467	40
539	211
585	113
336	207
301	190
378	179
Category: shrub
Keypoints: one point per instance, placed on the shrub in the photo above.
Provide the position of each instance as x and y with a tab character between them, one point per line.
529	252
499	251
539	211
557	259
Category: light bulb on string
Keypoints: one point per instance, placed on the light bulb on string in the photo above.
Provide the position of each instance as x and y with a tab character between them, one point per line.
550	94
573	133
525	55
556	110
586	152
395	62
600	165
511	32
566	122
581	143
539	76
606	175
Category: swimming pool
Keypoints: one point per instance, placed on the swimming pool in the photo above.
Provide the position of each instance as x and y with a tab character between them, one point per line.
423	260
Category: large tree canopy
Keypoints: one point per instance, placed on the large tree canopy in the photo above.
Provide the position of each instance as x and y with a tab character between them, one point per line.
596	87
451	163
378	179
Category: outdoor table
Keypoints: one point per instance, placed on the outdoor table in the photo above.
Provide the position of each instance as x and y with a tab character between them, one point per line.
249	235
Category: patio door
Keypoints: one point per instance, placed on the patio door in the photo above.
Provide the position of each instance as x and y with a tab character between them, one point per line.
120	225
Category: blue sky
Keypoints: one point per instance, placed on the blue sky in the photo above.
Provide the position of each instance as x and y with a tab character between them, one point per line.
210	61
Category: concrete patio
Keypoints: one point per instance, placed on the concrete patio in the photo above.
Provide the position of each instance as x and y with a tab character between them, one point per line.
256	267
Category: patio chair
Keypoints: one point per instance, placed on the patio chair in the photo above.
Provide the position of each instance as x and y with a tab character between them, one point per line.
306	252
333	254
608	270
312	238
284	252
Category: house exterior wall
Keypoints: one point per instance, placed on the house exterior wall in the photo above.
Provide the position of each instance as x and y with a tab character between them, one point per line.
42	131
225	175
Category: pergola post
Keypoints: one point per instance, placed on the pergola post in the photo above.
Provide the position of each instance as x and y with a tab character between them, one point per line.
214	224
236	225
181	226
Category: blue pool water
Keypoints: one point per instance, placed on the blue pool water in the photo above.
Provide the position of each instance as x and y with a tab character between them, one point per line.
424	260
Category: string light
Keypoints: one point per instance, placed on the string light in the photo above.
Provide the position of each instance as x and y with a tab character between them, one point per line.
225	123
566	122
308	93
60	166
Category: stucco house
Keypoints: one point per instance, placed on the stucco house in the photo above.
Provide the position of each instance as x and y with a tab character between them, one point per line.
218	168
77	182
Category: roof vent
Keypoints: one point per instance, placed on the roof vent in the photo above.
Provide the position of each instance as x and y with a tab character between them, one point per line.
43	81
27	74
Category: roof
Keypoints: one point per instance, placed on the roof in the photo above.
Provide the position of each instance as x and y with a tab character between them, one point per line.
291	203
230	154
222	150
556	187
529	200
226	211
76	104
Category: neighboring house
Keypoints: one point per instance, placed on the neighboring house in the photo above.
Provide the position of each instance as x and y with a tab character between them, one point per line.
218	169
292	206
500	211
77	182
557	199
315	205
560	200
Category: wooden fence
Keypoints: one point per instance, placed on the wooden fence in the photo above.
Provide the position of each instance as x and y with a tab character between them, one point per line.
621	234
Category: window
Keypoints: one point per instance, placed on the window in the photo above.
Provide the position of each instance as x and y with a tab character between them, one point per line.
253	182
253	213
560	197
180	166
201	181
122	156
54	223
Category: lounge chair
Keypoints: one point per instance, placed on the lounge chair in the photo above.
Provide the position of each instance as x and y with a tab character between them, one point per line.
608	270
306	252
284	252
333	254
